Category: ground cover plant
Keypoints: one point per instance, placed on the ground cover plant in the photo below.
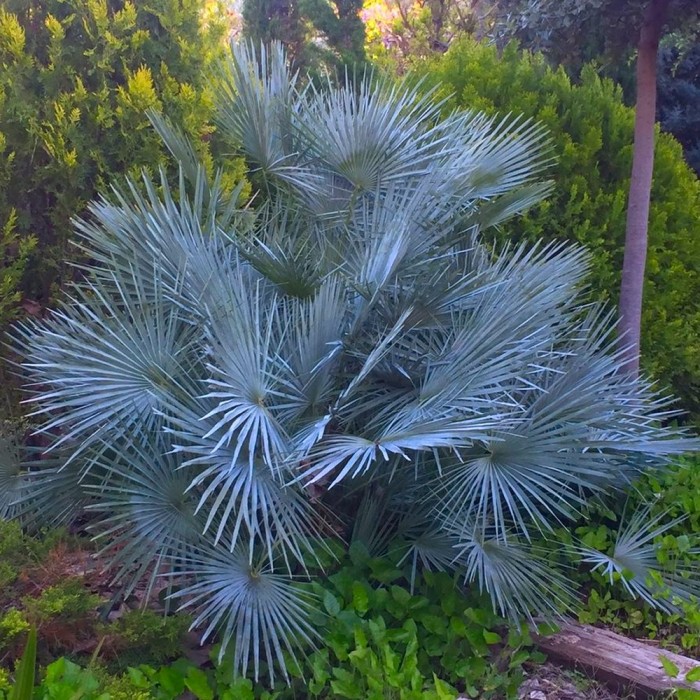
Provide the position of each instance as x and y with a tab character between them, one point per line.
383	641
51	583
381	638
344	360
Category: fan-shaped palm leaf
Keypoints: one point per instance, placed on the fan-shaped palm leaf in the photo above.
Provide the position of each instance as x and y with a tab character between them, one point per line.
634	562
144	511
12	483
263	614
108	357
257	108
513	576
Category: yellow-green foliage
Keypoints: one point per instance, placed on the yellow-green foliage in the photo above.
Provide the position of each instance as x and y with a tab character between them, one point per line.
12	624
592	134
75	79
14	253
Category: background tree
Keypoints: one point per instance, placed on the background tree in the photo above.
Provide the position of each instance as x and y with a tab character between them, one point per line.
276	20
679	97
316	33
76	78
407	31
591	130
340	26
622	27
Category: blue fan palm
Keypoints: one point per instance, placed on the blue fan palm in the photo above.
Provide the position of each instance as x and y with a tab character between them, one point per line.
222	374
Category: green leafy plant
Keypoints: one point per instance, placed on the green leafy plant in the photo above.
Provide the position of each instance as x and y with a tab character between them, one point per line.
26	670
47	584
64	615
77	78
348	360
144	634
20	550
382	640
592	135
64	679
15	252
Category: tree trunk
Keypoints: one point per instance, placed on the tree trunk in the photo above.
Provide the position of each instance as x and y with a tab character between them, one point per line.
640	183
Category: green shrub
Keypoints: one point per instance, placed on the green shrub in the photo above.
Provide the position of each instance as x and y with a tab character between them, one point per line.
19	550
342	357
145	634
674	494
77	77
14	254
68	600
39	588
64	615
592	134
12	624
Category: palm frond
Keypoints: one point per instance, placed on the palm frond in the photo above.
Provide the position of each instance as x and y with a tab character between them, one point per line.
374	523
143	510
243	503
427	546
174	234
54	492
258	100
513	576
371	132
102	360
12	482
633	562
498	156
287	247
264	615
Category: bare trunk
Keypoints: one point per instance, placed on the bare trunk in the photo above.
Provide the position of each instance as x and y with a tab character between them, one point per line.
640	183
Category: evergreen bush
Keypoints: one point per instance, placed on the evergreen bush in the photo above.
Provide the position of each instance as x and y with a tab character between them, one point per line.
232	394
592	134
76	78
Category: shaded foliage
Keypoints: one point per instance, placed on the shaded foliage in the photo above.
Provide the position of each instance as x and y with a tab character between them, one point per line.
349	361
679	97
318	35
592	132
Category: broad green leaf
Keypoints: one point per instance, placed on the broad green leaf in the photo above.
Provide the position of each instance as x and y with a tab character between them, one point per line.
693	675
360	597
671	669
491	637
198	683
331	604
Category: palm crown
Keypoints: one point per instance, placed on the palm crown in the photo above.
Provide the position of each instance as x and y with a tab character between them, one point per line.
230	387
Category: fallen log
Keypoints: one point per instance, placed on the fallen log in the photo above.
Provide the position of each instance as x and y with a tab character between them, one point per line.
620	661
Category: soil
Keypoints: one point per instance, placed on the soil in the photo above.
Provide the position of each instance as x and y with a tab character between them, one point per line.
551	682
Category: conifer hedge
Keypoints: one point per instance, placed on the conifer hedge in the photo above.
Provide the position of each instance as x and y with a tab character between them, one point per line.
76	79
592	133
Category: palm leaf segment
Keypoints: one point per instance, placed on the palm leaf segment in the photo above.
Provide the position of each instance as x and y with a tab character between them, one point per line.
221	373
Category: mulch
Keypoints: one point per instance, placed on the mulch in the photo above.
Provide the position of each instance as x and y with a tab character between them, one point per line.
551	682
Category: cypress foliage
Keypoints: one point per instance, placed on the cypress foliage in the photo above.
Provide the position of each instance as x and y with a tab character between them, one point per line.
77	77
592	134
